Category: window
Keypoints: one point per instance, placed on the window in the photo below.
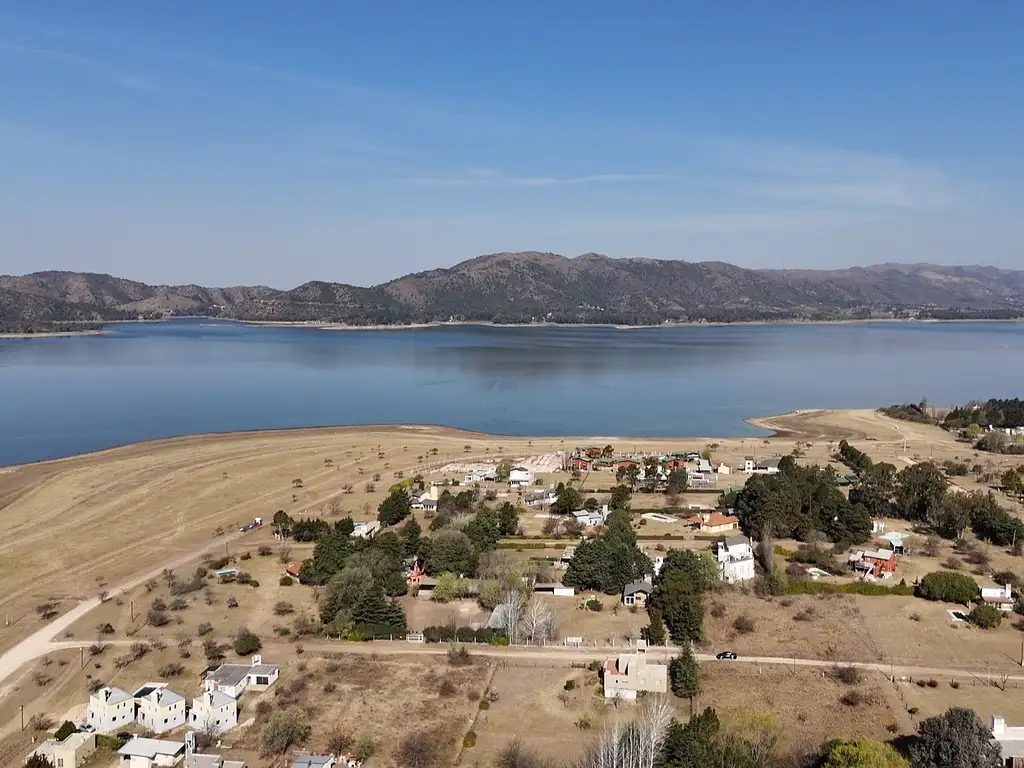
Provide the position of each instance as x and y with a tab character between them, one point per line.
262	680
60	762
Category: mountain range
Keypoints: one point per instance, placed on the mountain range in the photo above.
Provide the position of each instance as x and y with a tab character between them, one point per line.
537	287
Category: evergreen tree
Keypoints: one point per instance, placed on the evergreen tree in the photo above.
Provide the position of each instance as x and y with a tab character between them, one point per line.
654	632
395	508
694	745
508	519
410	535
684	675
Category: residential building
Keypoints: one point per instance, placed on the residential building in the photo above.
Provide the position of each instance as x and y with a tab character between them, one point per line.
1010	740
151	753
723	469
768	466
213	711
579	463
70	753
540	498
232	679
158	708
749	464
999	597
479	476
628	674
714	522
314	761
735	559
414	572
193	760
519	477
590	519
110	709
636	593
875	564
293	569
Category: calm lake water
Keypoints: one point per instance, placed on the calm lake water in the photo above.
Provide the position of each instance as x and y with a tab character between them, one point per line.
62	396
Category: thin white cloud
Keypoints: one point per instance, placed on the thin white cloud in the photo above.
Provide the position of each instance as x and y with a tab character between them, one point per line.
487	178
83	64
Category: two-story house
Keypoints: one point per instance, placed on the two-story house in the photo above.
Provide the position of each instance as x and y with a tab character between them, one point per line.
159	709
213	711
110	709
630	673
735	559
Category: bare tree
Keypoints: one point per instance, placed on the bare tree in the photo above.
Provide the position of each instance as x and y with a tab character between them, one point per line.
538	625
511	612
631	745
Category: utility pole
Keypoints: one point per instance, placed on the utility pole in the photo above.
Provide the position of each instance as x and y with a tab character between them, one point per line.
82	649
22	708
131	609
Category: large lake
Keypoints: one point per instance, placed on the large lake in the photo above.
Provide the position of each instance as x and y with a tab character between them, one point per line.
61	396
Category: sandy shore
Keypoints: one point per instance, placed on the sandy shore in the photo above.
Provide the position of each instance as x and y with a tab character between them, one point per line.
50	335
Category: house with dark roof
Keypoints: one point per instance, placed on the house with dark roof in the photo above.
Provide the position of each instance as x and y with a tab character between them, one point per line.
636	593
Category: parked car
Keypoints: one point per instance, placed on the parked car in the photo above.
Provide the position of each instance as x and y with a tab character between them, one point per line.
725	655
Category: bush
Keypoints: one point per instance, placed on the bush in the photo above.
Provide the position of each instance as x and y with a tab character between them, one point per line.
105	629
846	674
985	616
366	745
867	588
286	581
594	604
65	730
447	688
853	698
204	629
330	687
952	563
948	587
339	741
459	657
171	670
283	608
569	685
157	618
470	740
245	556
246	643
744	624
285	729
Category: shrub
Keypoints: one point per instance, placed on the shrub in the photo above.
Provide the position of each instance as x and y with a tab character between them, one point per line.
65	730
285	729
459	657
96	649
933	683
171	670
853	698
179	604
330	687
718	609
849	675
157	618
366	745
810	613
952	563
105	629
447	688
948	587
470	740
243	577
915	616
744	624
594	604
286	581
283	608
246	643
232	601
204	629
245	556
339	741
985	616
263	550
569	685
954	684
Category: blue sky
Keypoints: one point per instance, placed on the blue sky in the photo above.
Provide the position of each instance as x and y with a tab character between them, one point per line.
236	142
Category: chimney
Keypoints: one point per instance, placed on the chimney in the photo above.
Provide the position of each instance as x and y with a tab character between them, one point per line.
998	725
210	694
106	694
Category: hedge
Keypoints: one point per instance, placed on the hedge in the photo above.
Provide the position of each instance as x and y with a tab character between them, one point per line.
871	589
449	634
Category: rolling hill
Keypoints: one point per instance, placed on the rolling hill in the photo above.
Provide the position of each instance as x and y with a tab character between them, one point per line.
532	287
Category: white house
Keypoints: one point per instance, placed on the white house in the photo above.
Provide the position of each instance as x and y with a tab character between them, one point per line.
735	559
704	465
149	753
541	498
999	597
479	476
628	674
723	469
232	679
749	464
366	530
590	519
519	477
70	753
213	711
158	708
1009	738
110	709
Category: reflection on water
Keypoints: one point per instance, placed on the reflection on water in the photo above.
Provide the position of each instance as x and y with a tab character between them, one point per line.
141	381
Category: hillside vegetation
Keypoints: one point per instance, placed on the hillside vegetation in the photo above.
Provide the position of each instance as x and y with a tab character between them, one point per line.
541	287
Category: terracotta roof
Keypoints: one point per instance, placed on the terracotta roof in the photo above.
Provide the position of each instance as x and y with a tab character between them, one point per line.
716	519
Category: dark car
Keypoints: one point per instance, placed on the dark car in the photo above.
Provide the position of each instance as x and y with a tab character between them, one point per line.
725	655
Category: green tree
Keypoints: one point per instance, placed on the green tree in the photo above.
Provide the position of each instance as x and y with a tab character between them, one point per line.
680	608
373	610
699	568
607	452
948	587
654	632
568	499
345	526
329	557
918	491
677	481
632	475
245	642
342	592
410	535
985	616
684	675
395	508
694	745
483	530
620	498
508	519
65	730
875	489
955	739
451	551
38	761
862	753
394	585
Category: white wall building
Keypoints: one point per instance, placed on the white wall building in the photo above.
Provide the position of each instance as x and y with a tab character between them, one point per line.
735	559
110	709
366	530
158	708
519	477
213	711
149	753
232	679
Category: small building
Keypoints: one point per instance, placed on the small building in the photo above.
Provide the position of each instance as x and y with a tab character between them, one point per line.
414	572
232	679
628	674
149	753
735	558
213	711
540	498
768	466
366	530
716	522
590	519
723	469
70	753
314	761
749	464
704	465
110	709
998	597
293	569
876	564
158	708
519	477
636	593
1010	740
579	463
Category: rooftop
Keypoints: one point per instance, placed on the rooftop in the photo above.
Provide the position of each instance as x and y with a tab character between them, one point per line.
311	761
212	700
735	541
637	586
111	696
163	697
141	747
233	674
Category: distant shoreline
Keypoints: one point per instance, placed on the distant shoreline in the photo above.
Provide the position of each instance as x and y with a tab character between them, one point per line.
50	334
